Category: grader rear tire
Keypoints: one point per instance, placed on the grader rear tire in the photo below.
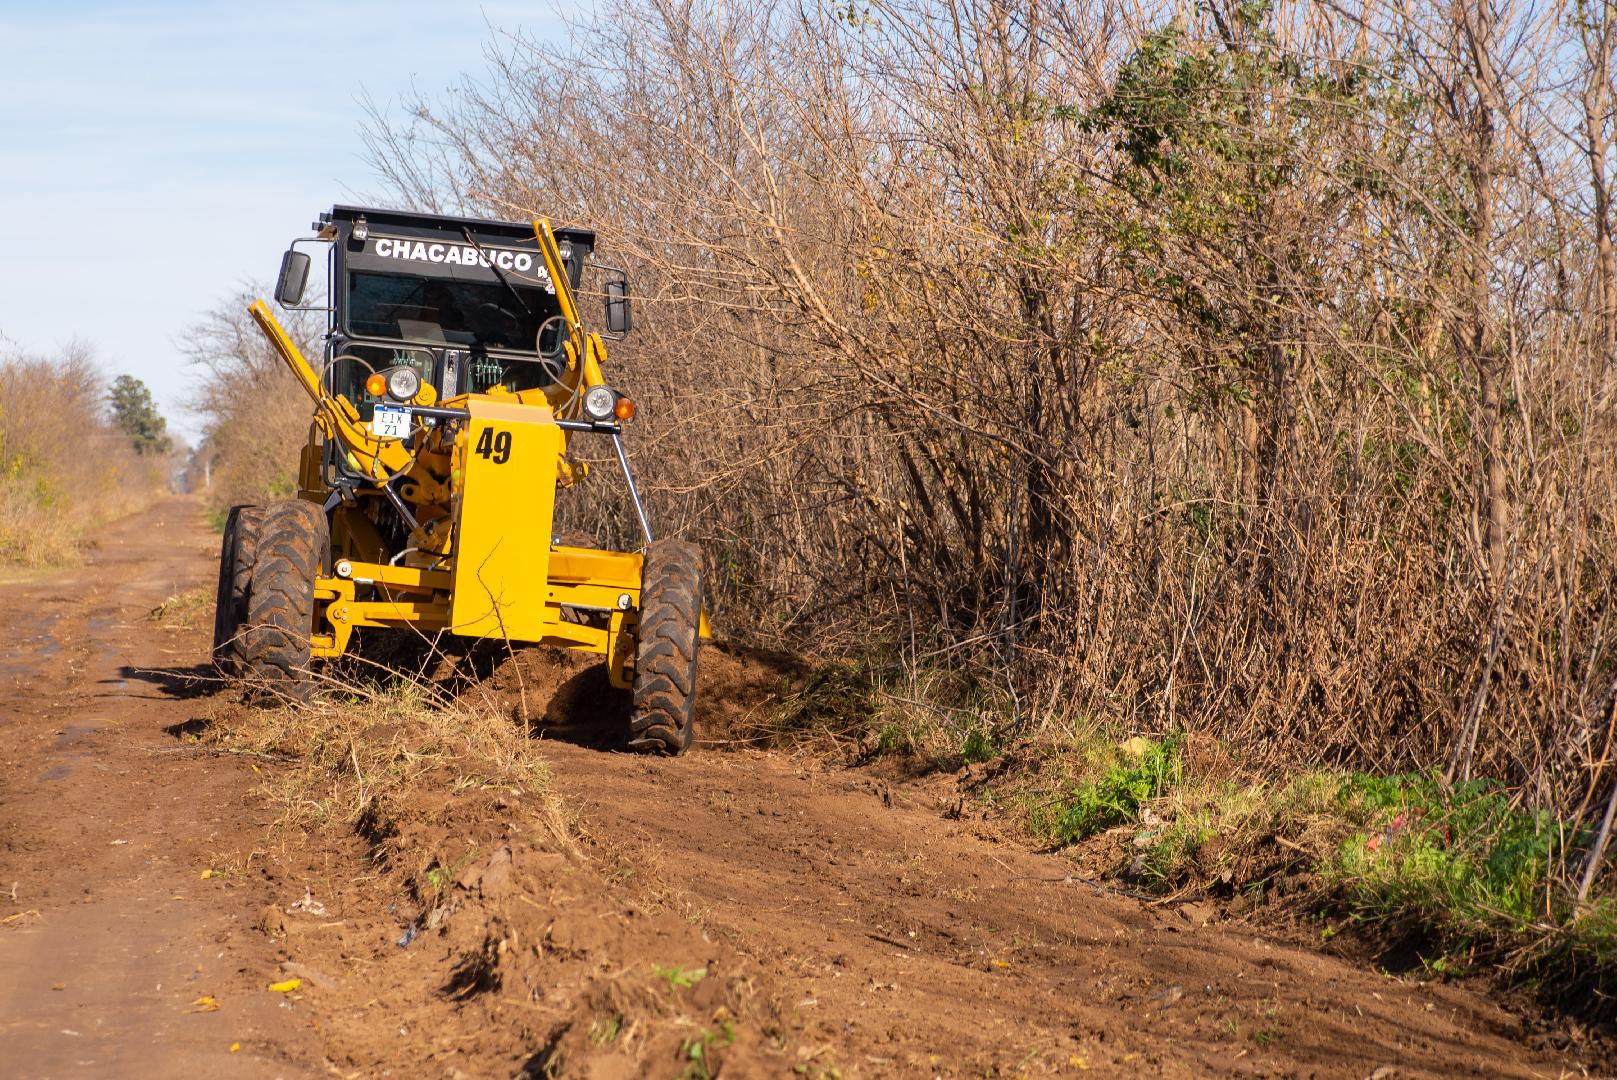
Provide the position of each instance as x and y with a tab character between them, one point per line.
294	544
663	721
236	551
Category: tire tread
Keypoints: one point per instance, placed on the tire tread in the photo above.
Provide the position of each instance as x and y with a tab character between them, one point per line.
293	542
663	720
237	551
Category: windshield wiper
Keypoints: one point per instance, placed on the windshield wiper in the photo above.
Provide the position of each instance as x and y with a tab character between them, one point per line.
492	265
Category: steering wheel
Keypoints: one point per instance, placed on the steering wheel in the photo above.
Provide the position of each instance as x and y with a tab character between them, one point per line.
492	323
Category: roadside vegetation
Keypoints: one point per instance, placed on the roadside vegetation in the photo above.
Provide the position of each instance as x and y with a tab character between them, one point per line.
1460	874
1451	879
1411	870
1108	386
256	416
67	463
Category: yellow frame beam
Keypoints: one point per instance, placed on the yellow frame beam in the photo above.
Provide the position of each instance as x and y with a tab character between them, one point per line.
597	581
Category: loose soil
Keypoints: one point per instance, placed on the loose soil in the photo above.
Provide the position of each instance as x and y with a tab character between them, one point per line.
736	912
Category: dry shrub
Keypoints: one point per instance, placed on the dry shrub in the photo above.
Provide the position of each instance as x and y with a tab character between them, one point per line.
255	412
1240	368
64	468
361	746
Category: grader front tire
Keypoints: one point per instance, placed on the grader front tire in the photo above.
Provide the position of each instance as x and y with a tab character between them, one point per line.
294	540
236	552
663	721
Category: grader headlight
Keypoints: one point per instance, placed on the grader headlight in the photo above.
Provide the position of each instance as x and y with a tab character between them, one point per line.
599	402
403	383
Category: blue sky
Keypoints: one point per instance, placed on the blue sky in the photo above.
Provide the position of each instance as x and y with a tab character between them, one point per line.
154	157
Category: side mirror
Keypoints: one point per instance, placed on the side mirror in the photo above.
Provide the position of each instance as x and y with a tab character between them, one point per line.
294	279
619	317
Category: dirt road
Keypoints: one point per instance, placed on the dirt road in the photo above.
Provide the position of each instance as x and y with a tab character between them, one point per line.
746	912
110	932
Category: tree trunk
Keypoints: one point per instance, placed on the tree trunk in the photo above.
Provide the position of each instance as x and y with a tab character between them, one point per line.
1597	121
1495	499
1479	340
1247	419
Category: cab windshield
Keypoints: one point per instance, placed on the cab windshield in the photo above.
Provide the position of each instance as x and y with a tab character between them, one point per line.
465	313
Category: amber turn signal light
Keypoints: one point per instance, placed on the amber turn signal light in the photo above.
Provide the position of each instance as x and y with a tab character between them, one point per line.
623	409
376	386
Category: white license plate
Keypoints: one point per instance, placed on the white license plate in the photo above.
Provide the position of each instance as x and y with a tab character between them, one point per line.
390	423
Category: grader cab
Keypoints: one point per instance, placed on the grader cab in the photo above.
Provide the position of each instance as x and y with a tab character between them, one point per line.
457	371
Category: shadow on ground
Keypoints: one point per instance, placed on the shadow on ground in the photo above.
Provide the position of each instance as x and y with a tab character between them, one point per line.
180	683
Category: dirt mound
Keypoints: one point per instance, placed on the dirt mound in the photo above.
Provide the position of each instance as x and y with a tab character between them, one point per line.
562	694
550	945
471	913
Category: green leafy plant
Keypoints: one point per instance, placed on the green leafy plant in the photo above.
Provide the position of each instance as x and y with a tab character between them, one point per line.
1464	849
699	1064
681	978
1142	772
978	746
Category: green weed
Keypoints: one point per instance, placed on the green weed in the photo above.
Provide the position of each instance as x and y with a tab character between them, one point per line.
1142	770
978	746
892	739
1467	861
699	1063
681	978
440	876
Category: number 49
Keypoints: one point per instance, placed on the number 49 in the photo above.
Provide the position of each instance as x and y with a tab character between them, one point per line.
494	445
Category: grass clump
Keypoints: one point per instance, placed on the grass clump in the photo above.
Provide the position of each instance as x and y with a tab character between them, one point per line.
184	610
1212	832
938	718
1135	772
355	749
836	701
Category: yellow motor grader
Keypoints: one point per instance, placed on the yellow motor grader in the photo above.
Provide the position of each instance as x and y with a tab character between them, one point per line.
457	370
